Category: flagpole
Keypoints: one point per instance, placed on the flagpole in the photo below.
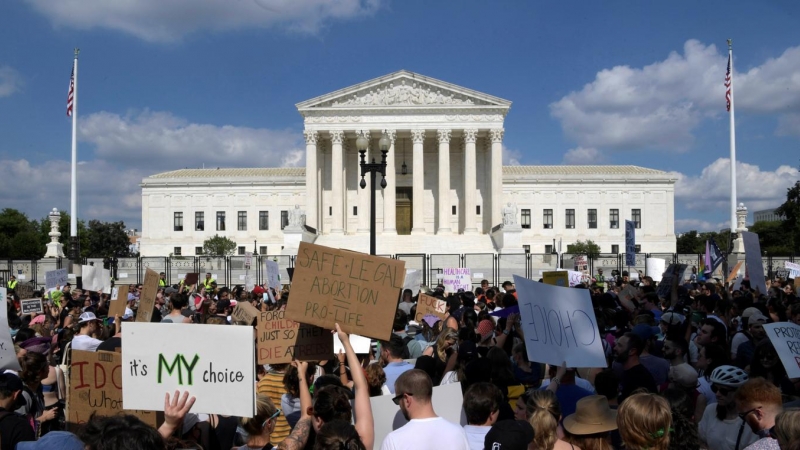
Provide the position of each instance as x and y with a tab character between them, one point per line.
73	203
733	142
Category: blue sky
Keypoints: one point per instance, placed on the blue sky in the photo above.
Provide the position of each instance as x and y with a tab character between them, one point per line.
167	85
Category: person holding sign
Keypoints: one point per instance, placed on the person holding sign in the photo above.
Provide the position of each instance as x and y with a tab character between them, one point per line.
88	324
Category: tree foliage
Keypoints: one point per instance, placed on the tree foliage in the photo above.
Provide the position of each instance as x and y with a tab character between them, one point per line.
107	239
218	246
693	242
587	247
790	210
19	237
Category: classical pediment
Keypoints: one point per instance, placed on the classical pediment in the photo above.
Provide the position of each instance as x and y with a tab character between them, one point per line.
403	89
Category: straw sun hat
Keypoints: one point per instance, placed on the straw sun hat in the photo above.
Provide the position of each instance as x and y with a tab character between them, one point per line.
592	415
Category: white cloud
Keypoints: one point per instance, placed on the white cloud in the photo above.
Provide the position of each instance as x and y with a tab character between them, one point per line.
660	105
511	157
170	20
756	188
10	81
160	139
684	225
584	156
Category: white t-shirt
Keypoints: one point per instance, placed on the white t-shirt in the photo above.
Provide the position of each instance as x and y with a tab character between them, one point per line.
738	339
580	382
722	434
427	434
85	342
476	435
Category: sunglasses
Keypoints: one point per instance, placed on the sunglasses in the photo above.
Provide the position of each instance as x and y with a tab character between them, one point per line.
272	417
747	413
399	397
721	389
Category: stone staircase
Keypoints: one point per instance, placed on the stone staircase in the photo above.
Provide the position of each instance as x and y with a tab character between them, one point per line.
429	244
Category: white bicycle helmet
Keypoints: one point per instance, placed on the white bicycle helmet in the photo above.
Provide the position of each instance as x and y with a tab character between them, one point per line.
728	376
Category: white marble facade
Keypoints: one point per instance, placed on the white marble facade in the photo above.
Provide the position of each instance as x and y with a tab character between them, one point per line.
450	140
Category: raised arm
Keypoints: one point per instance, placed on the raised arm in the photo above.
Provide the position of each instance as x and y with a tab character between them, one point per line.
363	410
299	436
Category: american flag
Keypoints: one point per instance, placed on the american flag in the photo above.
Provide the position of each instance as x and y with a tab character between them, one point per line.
71	94
728	83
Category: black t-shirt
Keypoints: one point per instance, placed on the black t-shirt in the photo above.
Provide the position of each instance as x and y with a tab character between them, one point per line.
634	378
14	428
111	344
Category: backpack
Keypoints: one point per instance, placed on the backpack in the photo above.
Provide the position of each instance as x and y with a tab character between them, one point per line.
406	352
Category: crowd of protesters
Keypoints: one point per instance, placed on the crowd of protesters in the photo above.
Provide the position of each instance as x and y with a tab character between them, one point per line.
690	371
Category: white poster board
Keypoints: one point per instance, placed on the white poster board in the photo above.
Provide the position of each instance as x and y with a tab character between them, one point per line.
794	269
559	324
8	357
446	401
248	260
413	281
360	344
55	278
96	279
456	278
785	336
654	268
753	261
273	275
214	363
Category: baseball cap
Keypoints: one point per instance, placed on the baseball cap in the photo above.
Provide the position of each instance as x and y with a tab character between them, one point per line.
672	318
87	317
54	440
485	329
509	435
749	312
644	331
10	382
757	317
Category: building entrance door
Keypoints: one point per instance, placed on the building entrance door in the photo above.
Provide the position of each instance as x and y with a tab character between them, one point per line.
404	211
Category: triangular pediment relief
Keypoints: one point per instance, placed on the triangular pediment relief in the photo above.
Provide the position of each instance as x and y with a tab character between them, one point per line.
403	89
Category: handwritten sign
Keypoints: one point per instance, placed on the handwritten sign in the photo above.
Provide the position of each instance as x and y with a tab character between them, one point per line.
753	261
214	363
672	272
147	299
95	386
430	305
273	275
357	291
245	312
785	336
794	269
119	300
456	278
55	278
31	306
559	324
248	260
24	290
562	278
8	357
282	340
630	243
413	281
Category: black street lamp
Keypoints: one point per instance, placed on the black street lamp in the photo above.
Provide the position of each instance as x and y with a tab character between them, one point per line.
372	168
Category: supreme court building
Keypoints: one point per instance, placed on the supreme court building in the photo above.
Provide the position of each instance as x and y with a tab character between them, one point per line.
447	189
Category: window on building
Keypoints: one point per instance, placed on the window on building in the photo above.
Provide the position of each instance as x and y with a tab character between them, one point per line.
638	248
527	248
177	221
548	258
355	210
262	250
241	221
198	250
330	211
592	216
570	217
199	221
455	210
284	219
547	218
526	218
613	216
241	251
220	220
636	217
263	220
176	251
548	249
615	249
478	210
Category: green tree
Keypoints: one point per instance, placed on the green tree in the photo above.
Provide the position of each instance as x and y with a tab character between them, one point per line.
218	246
774	238
107	239
587	247
690	242
790	210
19	237
26	245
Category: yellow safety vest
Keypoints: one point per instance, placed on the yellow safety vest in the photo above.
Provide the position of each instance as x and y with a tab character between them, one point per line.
207	283
162	283
12	284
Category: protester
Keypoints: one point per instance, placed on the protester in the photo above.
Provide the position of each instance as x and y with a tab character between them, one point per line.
391	357
787	428
261	425
591	425
14	428
685	434
271	385
509	435
758	403
482	408
544	415
720	427
84	340
645	422
626	351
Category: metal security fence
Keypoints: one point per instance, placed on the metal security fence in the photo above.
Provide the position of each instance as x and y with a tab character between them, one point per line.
231	270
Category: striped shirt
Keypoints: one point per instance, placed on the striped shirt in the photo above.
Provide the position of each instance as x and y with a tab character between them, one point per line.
272	386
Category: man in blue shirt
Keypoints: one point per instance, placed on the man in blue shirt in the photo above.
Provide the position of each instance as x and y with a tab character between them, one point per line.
392	360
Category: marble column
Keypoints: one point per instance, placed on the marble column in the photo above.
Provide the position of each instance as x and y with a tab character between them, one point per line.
390	192
470	174
444	181
337	182
496	135
362	195
312	191
418	183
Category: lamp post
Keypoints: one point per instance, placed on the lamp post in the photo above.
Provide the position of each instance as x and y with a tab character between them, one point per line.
372	168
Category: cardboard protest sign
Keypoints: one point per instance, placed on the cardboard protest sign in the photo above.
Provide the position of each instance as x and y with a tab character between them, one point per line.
447	401
361	345
556	278
456	278
8	357
147	299
357	291
119	300
630	243
785	336
559	324
794	269
24	290
31	306
753	261
55	278
245	312
191	278
654	268
665	285
273	275
734	272
430	305
413	281
214	363
282	340
95	386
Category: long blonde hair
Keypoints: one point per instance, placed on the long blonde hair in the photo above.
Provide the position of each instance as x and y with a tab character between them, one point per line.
446	334
644	422
544	413
787	427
